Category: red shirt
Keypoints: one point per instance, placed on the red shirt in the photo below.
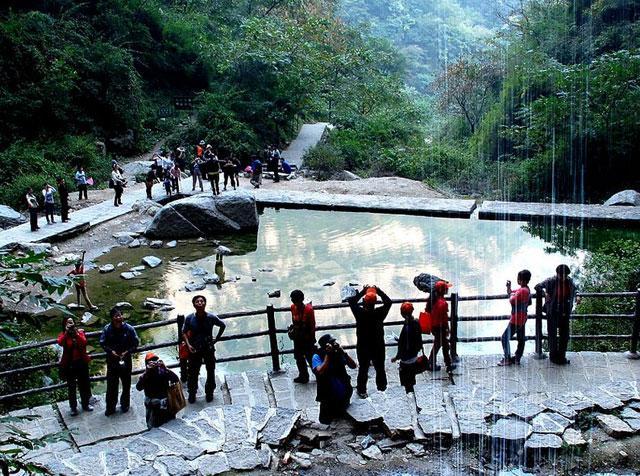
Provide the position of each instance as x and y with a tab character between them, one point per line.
307	319
520	300
73	351
439	313
81	282
199	151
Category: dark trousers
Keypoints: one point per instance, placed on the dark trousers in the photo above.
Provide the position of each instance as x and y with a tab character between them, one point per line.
195	361
149	186
509	332
407	373
367	353
77	376
226	179
558	323
440	339
82	190
175	184
215	183
48	212
117	199
303	351
33	218
116	374
331	410
64	208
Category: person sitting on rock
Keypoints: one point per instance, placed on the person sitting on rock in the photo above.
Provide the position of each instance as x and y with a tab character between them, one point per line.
334	388
409	345
198	335
155	381
304	334
370	335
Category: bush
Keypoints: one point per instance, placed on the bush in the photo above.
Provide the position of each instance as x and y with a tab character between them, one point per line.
324	159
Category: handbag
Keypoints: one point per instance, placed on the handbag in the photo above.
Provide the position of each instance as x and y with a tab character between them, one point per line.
175	398
424	319
294	331
422	364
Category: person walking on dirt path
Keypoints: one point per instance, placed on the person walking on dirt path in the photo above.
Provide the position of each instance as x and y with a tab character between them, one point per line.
32	204
198	335
81	284
439	309
74	365
49	203
81	183
119	183
303	333
409	345
370	336
560	293
149	180
63	191
119	340
520	300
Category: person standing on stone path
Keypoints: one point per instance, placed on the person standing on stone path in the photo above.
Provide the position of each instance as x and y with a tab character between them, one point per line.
196	174
32	204
520	300
118	184
229	171
155	381
198	335
119	340
81	182
439	309
149	180
333	386
409	345
303	334
560	293
49	202
81	284
370	336
74	365
63	191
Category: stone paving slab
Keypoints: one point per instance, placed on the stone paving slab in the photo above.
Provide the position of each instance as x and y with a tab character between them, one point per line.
496	210
308	136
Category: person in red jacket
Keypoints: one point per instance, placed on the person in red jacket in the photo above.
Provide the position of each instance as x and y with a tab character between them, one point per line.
439	310
74	365
304	340
520	299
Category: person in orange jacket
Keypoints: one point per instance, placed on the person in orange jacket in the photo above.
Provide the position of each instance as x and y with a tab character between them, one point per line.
304	340
74	365
439	310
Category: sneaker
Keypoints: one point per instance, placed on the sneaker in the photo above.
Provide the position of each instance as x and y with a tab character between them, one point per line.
505	362
209	397
363	394
192	398
87	408
74	412
301	379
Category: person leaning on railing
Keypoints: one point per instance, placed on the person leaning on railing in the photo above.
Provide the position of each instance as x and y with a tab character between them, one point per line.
119	340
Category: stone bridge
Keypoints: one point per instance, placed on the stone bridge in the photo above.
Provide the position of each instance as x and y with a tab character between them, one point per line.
255	417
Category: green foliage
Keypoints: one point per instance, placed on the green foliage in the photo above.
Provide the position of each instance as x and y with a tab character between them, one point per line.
325	160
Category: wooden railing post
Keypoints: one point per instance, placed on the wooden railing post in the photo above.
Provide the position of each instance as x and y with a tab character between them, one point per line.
539	354
180	323
633	351
184	363
454	327
273	339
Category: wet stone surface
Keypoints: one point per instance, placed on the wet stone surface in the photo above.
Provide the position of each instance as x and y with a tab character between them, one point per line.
550	423
614	426
510	429
542	441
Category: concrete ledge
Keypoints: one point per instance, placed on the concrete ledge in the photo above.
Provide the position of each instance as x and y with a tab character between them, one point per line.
495	210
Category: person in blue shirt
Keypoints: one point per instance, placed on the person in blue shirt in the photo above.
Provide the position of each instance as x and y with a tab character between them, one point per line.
198	335
119	340
333	382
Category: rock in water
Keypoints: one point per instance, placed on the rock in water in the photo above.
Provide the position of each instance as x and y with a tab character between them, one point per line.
195	286
151	261
425	282
274	294
626	197
106	268
223	250
204	215
347	292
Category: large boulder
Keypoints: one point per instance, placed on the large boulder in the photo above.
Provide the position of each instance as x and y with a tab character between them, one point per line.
9	217
204	215
626	197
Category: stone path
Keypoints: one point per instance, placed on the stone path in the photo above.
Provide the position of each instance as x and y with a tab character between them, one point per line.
493	210
537	405
309	135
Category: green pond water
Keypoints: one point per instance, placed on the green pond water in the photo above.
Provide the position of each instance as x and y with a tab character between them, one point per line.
306	249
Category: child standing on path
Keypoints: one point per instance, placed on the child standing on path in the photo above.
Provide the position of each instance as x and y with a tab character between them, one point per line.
520	300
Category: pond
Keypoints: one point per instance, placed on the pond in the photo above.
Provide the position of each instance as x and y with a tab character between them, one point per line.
309	249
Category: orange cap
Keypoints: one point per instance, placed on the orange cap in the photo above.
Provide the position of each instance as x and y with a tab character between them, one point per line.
406	308
149	356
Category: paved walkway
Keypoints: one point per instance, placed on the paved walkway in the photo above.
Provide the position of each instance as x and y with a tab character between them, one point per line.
309	136
536	404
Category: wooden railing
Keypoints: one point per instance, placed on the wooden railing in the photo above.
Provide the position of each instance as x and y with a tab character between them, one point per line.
275	352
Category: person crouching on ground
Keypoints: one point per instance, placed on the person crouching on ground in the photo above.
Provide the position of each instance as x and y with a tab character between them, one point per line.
520	300
155	382
304	334
74	365
119	340
198	335
370	336
439	310
409	345
334	388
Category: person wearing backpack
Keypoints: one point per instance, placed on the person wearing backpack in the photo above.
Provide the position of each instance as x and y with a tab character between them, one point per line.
520	300
303	333
409	345
439	309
